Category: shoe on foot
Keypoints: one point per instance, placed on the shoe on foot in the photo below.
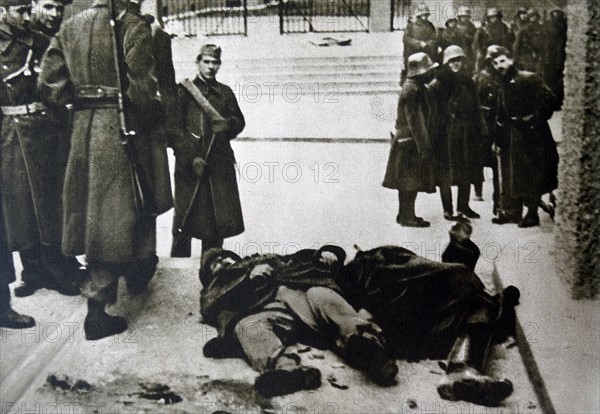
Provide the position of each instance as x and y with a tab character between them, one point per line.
287	381
25	289
448	215
413	222
504	218
530	220
467	212
471	386
103	325
9	318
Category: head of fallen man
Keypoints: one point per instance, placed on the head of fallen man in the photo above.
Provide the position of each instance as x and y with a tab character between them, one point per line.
213	261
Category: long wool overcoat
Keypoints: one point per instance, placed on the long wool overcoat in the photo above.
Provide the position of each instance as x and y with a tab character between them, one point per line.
34	147
216	210
409	165
526	105
100	218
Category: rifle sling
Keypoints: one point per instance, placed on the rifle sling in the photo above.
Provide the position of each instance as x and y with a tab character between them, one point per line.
212	113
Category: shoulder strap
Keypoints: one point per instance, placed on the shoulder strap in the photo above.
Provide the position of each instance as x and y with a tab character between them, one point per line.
212	113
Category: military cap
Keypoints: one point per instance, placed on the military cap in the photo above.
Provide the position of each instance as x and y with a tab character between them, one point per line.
422	10
522	10
208	258
14	3
211	50
464	11
419	64
453	52
494	51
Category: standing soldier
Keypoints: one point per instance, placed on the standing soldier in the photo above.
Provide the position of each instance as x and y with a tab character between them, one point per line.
488	91
409	169
519	22
529	45
494	32
207	201
32	160
468	30
104	218
555	42
529	156
460	132
420	36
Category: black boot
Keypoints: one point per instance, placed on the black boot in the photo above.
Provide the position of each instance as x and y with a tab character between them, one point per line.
464	379
140	275
98	324
531	218
8	317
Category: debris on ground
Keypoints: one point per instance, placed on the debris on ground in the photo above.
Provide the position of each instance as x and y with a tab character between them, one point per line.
316	356
159	392
336	382
332	41
62	382
412	404
304	350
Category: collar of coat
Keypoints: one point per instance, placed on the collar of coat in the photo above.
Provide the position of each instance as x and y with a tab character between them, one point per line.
205	86
7	37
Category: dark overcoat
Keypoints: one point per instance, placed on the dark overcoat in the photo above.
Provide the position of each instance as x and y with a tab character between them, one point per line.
488	92
231	295
417	32
555	42
459	36
529	48
529	142
100	218
34	147
409	165
217	210
412	298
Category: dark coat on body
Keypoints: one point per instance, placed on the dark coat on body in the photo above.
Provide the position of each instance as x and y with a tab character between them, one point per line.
488	93
529	48
409	165
100	218
460	128
34	147
217	210
529	144
417	32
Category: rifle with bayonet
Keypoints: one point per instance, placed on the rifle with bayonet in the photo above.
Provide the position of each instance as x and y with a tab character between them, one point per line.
127	134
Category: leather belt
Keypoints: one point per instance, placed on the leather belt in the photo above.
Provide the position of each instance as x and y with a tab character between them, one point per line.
96	92
30	108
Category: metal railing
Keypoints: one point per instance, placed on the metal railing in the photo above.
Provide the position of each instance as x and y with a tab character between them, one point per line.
206	17
303	16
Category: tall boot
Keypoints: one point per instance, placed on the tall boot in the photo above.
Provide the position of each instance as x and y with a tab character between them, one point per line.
462	202
464	379
406	210
446	195
98	324
8	317
33	276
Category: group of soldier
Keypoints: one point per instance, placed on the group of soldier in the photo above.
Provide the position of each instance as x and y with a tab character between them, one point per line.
474	98
88	110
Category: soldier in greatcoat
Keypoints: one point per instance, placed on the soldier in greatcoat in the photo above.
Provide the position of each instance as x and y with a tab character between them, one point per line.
33	162
459	133
410	164
420	36
519	22
207	201
529	155
468	30
488	93
529	45
555	41
101	219
494	32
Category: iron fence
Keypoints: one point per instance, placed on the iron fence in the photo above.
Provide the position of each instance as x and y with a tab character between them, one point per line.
207	17
303	16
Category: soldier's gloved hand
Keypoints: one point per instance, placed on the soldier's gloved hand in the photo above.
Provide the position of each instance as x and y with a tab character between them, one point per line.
199	166
220	126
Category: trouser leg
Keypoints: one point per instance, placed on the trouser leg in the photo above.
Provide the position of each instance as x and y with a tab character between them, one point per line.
464	193
182	245
406	205
478	187
264	337
8	317
496	187
33	271
446	195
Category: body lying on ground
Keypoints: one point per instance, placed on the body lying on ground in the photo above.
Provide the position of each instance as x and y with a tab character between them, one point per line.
263	304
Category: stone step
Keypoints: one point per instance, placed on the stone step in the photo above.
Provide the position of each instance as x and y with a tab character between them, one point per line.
291	91
309	77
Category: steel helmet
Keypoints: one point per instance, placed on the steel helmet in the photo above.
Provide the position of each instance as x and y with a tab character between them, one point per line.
453	52
422	10
464	11
418	64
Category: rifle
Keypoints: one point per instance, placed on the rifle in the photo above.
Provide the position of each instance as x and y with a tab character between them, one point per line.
126	133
